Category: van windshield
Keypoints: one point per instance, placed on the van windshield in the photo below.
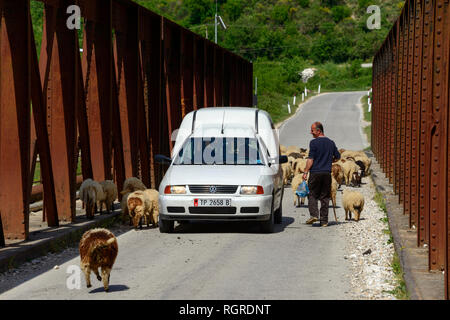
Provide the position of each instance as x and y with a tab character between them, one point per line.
220	151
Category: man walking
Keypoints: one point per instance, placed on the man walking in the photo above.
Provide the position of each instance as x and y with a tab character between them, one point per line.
322	152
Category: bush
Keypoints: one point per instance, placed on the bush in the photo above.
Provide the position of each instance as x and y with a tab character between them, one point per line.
340	12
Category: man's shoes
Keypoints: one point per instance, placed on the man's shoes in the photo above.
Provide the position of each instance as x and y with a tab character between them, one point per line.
311	220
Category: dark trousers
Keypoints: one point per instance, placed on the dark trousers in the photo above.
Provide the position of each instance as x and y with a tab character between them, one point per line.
319	184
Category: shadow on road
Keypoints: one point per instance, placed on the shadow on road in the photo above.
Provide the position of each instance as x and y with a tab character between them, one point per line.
228	226
112	288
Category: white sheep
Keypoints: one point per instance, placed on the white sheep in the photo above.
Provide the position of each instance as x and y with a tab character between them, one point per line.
291	149
110	195
296	181
90	193
350	167
352	202
334	187
299	166
287	172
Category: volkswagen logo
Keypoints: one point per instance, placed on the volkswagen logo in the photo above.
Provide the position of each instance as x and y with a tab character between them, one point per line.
212	189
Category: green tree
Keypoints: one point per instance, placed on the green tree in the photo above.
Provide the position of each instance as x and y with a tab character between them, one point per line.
340	12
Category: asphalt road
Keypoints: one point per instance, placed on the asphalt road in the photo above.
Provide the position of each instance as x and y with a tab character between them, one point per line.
229	261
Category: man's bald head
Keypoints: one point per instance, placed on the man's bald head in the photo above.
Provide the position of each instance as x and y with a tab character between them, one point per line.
317	129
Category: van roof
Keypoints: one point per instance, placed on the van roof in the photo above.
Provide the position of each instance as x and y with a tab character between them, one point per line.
230	116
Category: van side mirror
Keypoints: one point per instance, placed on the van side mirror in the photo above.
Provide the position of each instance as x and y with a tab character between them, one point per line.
283	159
162	159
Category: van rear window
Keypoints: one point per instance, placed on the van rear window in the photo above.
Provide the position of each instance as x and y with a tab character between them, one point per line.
220	151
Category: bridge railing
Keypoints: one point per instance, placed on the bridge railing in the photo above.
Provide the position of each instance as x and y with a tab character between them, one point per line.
411	122
117	100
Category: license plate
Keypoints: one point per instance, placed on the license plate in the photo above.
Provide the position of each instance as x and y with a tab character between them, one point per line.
212	202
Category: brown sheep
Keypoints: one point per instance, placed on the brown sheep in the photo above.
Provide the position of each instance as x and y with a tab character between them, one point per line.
143	204
98	249
337	172
132	184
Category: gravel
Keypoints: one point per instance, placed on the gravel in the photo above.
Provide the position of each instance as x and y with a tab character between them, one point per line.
370	250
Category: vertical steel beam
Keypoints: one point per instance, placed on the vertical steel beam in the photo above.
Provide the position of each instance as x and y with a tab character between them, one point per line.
199	73
209	74
414	217
399	104
40	125
62	104
404	102
126	56
187	72
408	111
98	75
218	76
14	105
172	74
425	125
439	129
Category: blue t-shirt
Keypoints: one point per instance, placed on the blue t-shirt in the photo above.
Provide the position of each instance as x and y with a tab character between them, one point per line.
322	150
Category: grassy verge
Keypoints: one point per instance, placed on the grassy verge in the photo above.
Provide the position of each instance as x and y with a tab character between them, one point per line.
399	291
368	118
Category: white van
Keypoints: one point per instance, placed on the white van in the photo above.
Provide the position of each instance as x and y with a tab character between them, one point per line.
225	165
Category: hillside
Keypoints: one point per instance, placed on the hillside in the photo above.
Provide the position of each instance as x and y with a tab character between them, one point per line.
283	37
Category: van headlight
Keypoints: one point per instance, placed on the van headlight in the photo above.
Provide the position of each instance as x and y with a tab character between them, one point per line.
252	190
175	190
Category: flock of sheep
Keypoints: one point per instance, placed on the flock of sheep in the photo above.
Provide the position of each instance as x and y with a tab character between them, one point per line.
98	247
348	170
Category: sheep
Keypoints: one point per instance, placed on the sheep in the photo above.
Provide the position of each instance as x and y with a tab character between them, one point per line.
90	192
356	178
132	184
367	162
354	154
295	155
291	149
98	249
362	167
334	187
299	166
349	168
352	202
296	181
341	151
283	149
143	204
337	172
124	207
154	196
110	195
287	171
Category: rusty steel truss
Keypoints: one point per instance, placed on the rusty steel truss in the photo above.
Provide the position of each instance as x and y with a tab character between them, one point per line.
117	101
410	122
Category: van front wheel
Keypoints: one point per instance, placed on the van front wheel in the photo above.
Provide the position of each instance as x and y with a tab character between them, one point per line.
166	226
